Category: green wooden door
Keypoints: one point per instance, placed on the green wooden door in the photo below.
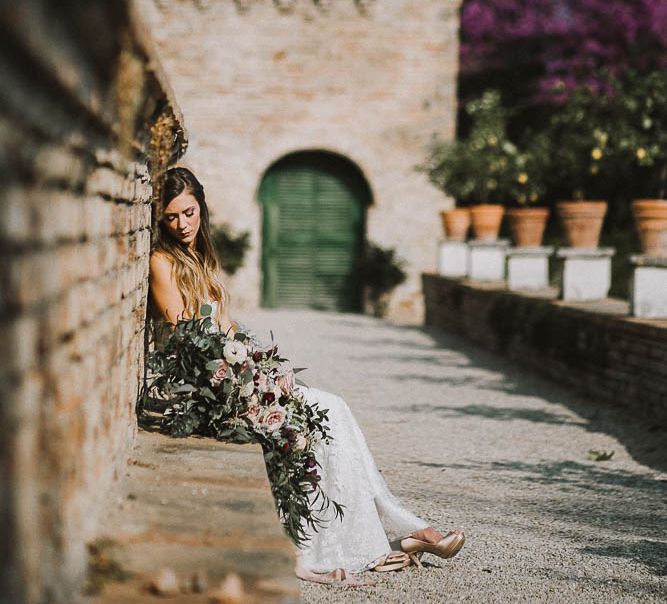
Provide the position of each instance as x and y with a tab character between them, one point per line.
314	209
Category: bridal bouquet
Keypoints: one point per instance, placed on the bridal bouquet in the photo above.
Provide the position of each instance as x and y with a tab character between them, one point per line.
234	390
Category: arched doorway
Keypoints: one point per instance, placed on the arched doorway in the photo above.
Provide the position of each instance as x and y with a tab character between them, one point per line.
314	213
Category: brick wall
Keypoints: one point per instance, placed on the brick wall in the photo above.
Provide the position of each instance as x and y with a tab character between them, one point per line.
372	85
77	101
593	347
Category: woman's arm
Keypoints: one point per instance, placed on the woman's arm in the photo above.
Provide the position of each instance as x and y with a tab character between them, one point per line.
164	291
226	324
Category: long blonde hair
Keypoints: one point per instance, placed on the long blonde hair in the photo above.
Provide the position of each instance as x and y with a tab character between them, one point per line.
197	271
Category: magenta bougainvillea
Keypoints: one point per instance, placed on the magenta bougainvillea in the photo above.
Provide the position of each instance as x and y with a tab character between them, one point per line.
534	45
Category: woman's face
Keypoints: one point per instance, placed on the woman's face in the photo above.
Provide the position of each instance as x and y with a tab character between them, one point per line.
182	218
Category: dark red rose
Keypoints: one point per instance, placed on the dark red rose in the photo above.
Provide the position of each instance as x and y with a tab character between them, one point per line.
257	356
285	446
310	463
269	397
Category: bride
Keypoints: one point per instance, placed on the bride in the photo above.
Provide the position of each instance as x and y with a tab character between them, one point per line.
184	274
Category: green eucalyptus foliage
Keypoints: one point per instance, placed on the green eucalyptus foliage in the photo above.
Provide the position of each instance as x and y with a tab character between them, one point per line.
200	401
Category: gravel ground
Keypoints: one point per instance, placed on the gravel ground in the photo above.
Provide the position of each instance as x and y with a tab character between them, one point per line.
467	438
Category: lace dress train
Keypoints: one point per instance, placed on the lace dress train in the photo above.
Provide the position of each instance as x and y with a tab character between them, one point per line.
373	516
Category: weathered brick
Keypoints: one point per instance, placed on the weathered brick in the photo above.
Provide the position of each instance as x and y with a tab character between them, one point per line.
98	216
16	227
20	338
57	163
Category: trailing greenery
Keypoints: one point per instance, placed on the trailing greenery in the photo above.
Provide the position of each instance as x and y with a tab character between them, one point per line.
380	272
231	249
233	390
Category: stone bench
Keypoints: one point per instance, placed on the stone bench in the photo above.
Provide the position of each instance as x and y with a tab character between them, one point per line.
192	505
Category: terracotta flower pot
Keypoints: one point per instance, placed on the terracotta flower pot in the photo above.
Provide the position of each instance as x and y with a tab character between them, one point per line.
527	225
455	223
582	221
651	221
486	219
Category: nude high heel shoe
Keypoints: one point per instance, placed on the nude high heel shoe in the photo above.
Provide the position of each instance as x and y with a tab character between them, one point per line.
447	547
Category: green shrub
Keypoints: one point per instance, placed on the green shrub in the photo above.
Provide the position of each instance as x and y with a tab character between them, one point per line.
486	167
231	249
380	272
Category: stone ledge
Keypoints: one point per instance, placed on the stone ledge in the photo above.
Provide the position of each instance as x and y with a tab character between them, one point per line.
193	505
594	347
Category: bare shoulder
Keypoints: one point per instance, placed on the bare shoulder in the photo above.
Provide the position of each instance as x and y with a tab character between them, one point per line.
160	266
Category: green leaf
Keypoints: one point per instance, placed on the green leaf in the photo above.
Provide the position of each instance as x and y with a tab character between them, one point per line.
595	455
206	310
184	388
208	393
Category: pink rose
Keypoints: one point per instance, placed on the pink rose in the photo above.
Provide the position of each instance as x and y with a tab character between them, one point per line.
301	442
273	418
253	412
286	382
220	373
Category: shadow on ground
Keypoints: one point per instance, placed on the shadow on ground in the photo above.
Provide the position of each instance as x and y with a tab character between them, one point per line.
645	441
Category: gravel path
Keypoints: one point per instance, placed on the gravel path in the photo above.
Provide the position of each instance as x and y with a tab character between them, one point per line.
466	438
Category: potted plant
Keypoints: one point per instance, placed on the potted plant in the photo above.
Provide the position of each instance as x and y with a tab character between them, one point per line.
581	164
455	223
476	170
524	191
640	139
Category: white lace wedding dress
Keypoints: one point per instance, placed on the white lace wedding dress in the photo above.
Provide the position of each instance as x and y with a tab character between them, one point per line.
373	516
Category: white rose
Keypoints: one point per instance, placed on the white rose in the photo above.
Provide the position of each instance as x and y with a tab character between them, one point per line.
247	389
235	352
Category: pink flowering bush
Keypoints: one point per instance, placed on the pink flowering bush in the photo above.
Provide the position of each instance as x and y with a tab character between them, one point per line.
533	45
234	390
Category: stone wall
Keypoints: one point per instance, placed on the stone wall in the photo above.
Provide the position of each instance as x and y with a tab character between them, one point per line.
593	347
370	80
78	99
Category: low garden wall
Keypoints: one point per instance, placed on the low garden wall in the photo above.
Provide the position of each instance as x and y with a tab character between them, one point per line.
594	347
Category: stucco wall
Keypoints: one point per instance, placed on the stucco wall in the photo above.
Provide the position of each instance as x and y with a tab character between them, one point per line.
372	85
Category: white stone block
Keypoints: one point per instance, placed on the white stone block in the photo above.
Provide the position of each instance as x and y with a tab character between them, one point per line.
528	268
585	274
487	260
453	258
649	290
